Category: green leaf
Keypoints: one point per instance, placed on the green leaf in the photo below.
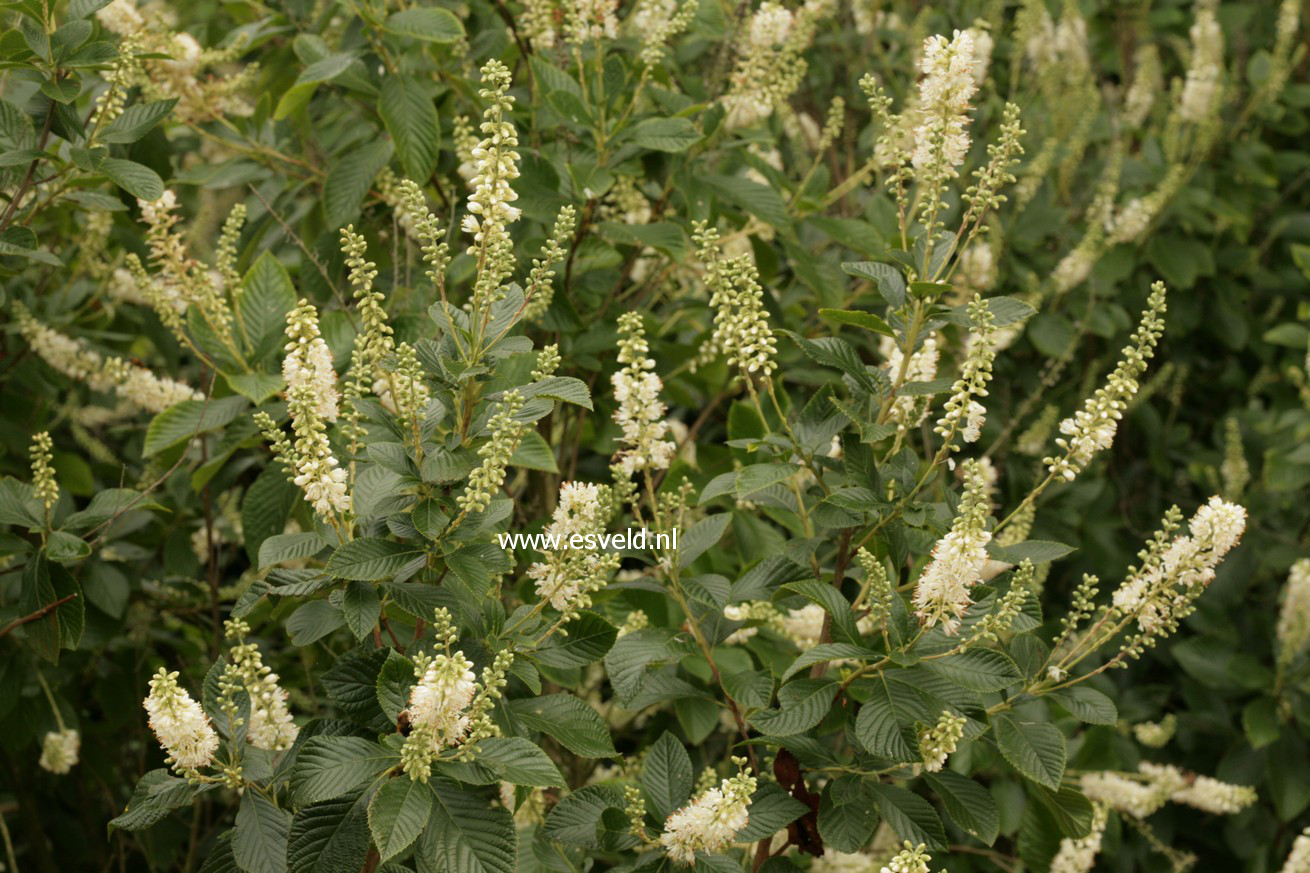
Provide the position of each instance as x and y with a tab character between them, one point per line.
182	421
266	295
397	814
977	669
879	730
107	504
665	134
968	803
802	704
1071	810
663	236
762	201
361	607
704	535
259	843
393	684
288	547
562	388
832	601
1260	722
910	816
411	118
589	638
771	810
628	662
518	760
890	282
848	815
1087	704
136	121
426	23
757	477
858	318
466	834
323	69
369	559
829	652
328	767
329	837
136	179
534	453
1037	551
349	179
1034	749
312	621
265	508
157	795
666	776
576	725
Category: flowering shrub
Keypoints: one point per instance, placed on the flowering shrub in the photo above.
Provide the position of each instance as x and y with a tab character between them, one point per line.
914	323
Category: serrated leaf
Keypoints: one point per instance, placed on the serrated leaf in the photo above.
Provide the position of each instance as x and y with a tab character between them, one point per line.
848	815
704	535
665	134
351	176
397	814
259	843
426	23
977	669
824	652
361	608
1035	749
762	201
563	388
910	816
801	705
858	318
288	547
466	834
1087	704
890	282
589	638
576	725
312	621
329	767
157	795
968	803
518	760
879	730
1037	551
410	116
136	179
369	559
266	295
329	837
666	776
187	419
136	121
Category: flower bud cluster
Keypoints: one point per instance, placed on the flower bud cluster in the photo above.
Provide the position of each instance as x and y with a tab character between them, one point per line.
541	289
741	330
309	360
436	710
964	414
569	576
137	386
506	433
937	743
489	205
1293	634
711	821
180	724
641	412
59	751
1093	428
271	727
44	487
942	592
